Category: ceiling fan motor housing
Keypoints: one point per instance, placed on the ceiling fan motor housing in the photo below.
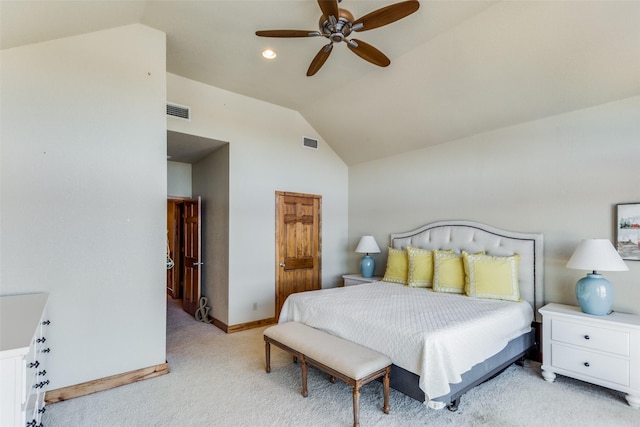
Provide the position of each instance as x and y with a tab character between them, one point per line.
337	31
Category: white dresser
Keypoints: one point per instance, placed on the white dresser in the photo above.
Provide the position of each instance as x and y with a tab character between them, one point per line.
603	350
23	350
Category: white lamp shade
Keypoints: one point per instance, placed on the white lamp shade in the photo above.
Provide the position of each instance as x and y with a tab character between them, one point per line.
367	245
596	255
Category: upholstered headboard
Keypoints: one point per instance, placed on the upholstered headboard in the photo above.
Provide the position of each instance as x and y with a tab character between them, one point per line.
473	237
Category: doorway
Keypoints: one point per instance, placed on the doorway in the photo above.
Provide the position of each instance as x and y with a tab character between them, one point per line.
184	246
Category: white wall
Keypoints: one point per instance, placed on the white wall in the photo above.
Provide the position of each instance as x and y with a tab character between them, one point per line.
211	182
178	179
265	155
84	196
561	176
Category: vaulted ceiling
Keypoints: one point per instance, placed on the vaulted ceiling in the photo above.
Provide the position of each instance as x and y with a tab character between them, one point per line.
458	67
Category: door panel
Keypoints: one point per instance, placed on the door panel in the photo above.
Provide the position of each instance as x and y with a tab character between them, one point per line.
298	244
192	255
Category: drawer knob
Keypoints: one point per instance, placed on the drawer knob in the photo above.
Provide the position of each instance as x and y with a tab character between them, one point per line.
40	340
46	322
34	364
42	410
43	372
46	350
587	337
586	364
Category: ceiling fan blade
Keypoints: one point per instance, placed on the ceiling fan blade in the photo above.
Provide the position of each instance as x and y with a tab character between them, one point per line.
319	59
368	52
386	15
329	8
287	33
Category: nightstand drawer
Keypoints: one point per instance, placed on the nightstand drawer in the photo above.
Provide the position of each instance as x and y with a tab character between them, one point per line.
594	365
591	337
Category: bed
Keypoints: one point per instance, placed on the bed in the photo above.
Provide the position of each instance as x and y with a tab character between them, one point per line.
441	343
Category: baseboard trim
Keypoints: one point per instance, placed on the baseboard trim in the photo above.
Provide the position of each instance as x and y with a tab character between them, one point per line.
243	326
107	383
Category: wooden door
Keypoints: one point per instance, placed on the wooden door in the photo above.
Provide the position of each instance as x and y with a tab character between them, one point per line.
298	244
192	255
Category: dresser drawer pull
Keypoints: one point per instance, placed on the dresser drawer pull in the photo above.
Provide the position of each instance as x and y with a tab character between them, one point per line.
42	410
33	364
586	364
46	322
41	384
32	423
587	337
43	372
46	350
40	340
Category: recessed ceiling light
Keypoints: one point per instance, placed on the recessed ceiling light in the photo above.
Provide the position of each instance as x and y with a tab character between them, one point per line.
269	54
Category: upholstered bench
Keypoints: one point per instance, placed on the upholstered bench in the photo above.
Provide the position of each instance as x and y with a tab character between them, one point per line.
350	362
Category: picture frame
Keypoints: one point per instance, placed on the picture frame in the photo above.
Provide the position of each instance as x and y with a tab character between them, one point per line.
628	231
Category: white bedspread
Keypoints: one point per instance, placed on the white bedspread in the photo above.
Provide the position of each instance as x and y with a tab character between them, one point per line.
434	335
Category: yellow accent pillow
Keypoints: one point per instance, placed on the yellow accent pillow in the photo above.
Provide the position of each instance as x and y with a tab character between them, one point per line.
397	266
420	267
492	277
448	272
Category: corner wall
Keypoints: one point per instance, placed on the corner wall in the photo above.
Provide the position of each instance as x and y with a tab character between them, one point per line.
83	202
265	155
561	176
211	182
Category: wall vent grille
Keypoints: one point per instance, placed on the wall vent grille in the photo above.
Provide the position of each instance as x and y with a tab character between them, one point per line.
310	143
178	111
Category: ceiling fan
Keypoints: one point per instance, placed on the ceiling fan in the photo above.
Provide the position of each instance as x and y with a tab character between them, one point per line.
337	24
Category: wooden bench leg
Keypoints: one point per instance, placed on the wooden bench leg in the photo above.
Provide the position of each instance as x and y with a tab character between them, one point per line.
356	405
303	366
267	355
385	386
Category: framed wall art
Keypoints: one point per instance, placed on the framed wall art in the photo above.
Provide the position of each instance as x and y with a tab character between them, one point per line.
628	231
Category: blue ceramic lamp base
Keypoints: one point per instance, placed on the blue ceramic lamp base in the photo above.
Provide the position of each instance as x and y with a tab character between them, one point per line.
595	294
367	266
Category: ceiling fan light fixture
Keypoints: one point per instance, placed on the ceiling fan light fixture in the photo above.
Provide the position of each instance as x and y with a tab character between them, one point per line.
269	54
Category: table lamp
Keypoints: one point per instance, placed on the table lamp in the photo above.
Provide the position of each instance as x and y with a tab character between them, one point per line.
594	292
367	246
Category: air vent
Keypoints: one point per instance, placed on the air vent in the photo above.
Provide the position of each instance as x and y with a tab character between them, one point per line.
178	111
310	143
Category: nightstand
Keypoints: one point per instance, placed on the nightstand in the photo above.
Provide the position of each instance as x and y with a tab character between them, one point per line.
357	279
602	350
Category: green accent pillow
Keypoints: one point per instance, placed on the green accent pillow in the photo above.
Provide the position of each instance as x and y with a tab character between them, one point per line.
492	277
420	267
397	266
448	272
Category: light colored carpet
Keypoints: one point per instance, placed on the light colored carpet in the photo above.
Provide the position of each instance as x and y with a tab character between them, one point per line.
219	380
